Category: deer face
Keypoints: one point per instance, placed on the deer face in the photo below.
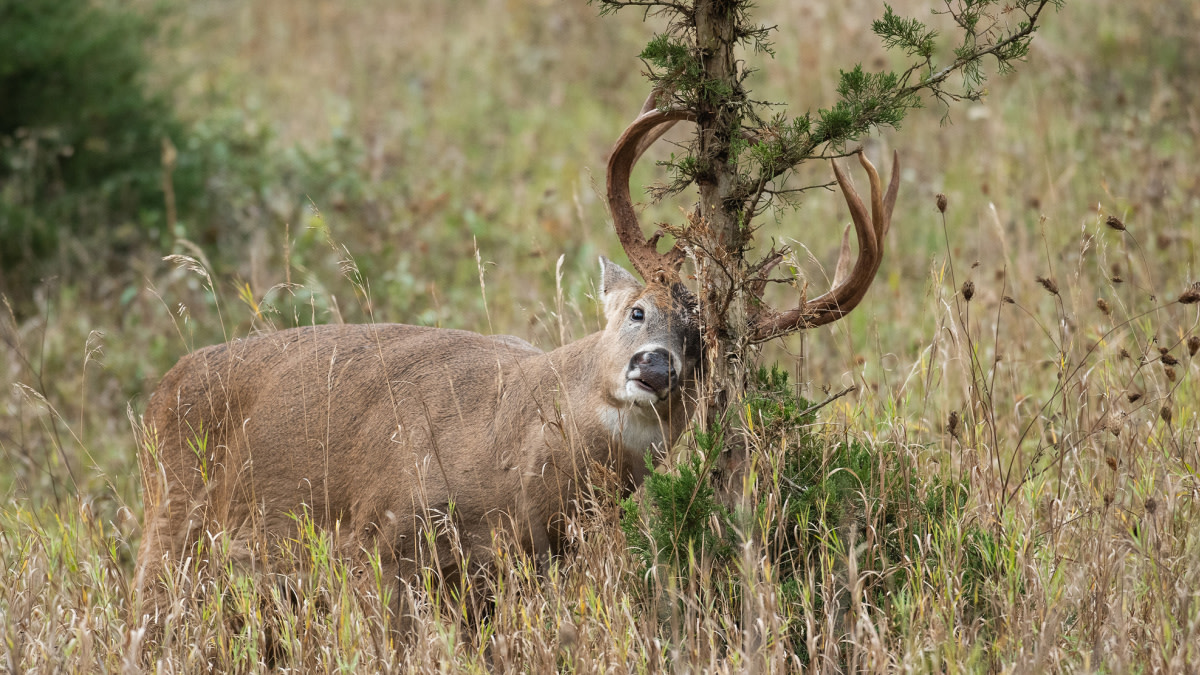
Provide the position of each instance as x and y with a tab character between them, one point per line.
652	339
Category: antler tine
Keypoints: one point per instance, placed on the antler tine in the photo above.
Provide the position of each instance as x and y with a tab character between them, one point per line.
651	102
889	200
848	288
638	136
843	263
656	133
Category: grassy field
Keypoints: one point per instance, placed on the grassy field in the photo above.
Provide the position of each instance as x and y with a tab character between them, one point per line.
1013	486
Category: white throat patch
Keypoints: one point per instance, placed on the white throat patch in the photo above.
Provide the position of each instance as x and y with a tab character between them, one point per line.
636	427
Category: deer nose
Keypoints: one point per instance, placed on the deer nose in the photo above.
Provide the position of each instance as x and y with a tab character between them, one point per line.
653	369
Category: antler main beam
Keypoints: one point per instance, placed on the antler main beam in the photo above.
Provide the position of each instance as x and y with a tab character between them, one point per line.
848	289
650	125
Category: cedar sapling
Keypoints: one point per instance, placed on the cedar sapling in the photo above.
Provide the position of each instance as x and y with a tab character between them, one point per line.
739	163
744	150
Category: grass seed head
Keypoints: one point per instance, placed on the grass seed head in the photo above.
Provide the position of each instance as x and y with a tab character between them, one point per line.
1113	424
1115	223
1151	505
952	425
1112	464
1193	345
941	202
1165	414
1191	295
1169	372
1009	300
968	290
1168	359
1102	304
1048	284
1133	396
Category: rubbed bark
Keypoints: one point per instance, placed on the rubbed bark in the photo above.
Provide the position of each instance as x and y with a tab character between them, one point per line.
717	223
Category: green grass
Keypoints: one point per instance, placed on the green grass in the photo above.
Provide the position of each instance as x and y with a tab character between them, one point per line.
1054	527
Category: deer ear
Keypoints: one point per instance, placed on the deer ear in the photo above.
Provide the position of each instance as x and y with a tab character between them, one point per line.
617	286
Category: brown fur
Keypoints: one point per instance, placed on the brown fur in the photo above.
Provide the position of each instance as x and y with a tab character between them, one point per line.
370	429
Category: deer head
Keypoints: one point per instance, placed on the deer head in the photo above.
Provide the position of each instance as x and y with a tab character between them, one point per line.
656	325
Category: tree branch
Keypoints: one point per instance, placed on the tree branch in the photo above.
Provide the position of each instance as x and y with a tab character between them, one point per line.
937	78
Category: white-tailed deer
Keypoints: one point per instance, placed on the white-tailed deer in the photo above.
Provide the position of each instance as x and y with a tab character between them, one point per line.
368	429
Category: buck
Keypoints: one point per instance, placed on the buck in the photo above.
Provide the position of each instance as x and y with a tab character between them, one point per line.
371	430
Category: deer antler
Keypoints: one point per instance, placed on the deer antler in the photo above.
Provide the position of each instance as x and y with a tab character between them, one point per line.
649	126
849	284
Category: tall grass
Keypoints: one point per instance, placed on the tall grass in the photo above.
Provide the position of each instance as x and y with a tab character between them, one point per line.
1011	487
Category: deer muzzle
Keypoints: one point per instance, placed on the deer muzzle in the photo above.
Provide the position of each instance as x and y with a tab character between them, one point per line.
653	371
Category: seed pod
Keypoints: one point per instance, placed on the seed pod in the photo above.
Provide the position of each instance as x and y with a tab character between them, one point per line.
1048	284
952	425
1151	505
1008	299
1193	344
1169	372
1133	397
941	202
1169	360
968	290
1102	304
1112	462
1115	223
1165	414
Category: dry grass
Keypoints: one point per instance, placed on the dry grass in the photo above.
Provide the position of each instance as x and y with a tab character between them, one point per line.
483	126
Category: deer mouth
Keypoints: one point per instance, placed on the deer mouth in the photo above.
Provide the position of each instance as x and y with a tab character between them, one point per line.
642	392
644	386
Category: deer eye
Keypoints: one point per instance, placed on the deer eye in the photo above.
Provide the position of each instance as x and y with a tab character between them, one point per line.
637	314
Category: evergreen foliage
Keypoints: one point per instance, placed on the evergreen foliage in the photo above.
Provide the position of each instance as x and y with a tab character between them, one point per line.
833	492
679	511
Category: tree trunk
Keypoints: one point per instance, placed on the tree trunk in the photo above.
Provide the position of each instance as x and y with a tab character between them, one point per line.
717	226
